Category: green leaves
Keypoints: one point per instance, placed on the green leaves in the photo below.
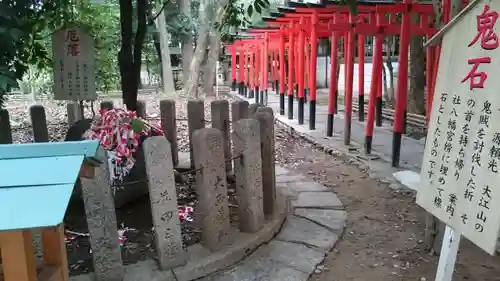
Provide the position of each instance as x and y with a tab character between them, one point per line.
137	125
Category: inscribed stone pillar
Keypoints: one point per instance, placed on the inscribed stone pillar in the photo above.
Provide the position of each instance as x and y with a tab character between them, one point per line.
248	174
141	109
5	129
163	198
266	122
39	123
169	126
196	120
211	186
220	121
252	109
107	105
239	110
101	221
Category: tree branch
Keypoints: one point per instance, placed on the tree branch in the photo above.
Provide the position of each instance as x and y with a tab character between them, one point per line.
160	11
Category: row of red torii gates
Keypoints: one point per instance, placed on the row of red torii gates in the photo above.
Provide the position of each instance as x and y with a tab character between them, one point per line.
293	34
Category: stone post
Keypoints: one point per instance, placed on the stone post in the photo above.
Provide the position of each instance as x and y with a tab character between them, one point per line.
211	187
220	121
196	120
107	105
169	127
74	113
5	129
163	197
141	109
101	221
248	174
39	123
252	109
239	110
266	122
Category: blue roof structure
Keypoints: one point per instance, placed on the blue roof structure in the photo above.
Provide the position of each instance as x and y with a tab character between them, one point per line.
37	179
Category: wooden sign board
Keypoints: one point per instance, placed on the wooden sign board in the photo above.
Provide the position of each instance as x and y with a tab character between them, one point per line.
461	165
74	73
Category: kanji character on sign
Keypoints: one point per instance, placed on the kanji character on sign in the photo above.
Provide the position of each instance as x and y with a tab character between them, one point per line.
485	24
473	74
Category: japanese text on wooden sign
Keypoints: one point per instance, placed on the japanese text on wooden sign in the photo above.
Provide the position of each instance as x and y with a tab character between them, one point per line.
73	56
460	169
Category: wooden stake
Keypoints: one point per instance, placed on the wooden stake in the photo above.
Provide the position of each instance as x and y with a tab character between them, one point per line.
18	256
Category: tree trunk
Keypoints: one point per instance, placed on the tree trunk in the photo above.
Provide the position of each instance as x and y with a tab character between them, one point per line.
207	11
168	79
416	91
390	51
187	41
130	59
211	66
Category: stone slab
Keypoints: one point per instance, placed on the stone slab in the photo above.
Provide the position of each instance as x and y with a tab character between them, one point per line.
259	269
320	200
307	186
280	170
300	230
293	255
289	178
331	219
141	271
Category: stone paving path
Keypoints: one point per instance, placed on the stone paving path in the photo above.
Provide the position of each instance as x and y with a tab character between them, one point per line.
308	234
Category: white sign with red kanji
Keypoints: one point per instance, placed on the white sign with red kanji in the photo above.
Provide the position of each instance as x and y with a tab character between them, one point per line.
74	73
460	169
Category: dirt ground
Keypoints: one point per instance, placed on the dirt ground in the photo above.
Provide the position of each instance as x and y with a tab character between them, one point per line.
383	240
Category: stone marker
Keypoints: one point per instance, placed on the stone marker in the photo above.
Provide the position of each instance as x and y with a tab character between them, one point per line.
213	211
163	197
239	110
266	122
266	109
74	113
248	174
169	126
141	109
5	129
39	123
101	221
107	105
220	121
252	109
196	120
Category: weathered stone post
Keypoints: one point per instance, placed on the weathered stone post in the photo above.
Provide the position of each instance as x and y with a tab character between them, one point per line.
220	121
107	105
163	197
196	121
5	129
248	174
74	113
101	221
239	110
141	109
252	109
211	187
169	126
266	122
39	123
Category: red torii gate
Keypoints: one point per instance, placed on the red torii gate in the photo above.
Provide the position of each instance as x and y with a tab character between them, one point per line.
341	22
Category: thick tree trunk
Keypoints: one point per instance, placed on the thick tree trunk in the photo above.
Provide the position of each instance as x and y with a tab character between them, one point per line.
416	91
211	66
187	41
207	12
130	59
